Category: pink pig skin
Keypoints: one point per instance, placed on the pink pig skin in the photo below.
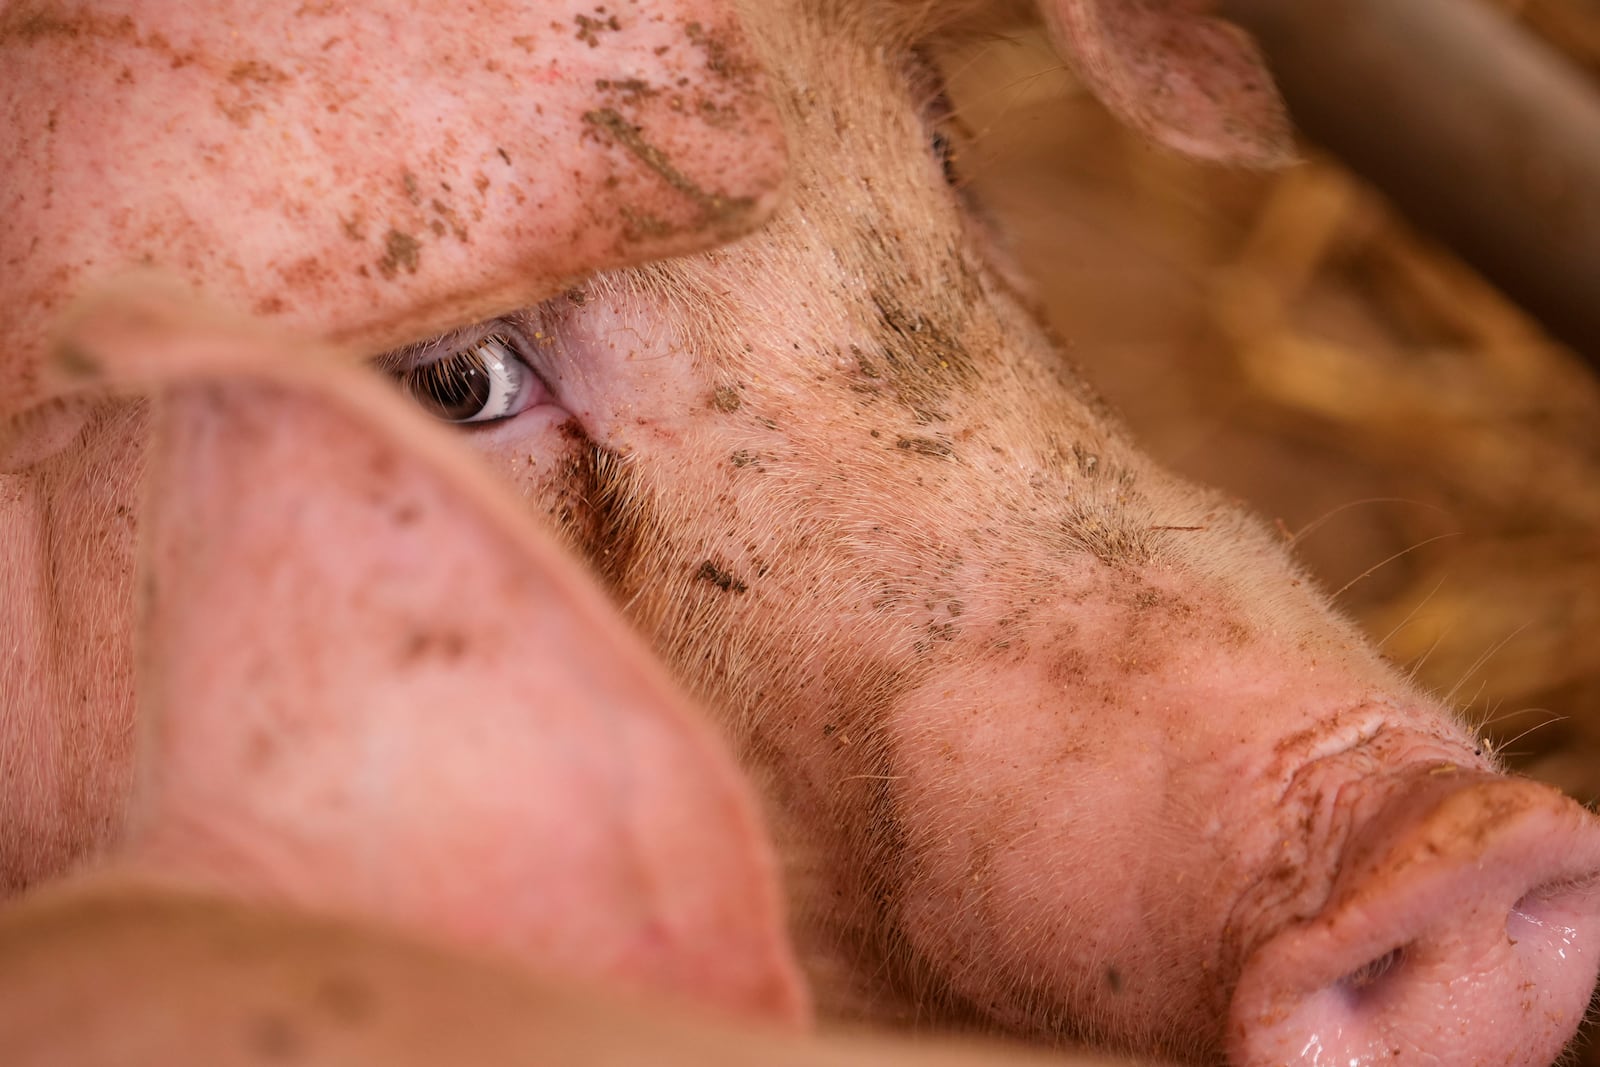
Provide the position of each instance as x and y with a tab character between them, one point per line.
339	715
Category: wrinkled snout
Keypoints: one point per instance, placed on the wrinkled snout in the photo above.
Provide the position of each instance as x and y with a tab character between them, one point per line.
1462	928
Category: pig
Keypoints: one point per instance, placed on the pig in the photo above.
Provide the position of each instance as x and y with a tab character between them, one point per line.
1049	742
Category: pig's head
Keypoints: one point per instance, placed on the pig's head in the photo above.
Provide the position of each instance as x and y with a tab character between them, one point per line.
1048	737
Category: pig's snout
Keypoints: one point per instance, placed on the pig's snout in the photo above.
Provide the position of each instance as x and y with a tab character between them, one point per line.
1461	929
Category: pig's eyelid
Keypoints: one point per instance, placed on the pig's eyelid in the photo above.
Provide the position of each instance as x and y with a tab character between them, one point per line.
397	361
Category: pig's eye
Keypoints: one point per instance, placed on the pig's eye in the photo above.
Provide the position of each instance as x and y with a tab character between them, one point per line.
946	132
478	382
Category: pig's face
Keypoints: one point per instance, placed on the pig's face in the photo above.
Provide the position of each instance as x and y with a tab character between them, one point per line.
1047	734
1047	737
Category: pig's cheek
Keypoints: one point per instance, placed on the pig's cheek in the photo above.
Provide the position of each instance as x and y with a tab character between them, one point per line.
67	534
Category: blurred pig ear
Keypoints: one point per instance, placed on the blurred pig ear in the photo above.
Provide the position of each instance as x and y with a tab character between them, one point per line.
372	687
1186	79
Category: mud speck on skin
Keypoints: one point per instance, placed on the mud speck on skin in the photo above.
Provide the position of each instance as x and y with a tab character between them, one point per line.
716	209
725	399
252	87
257	71
401	251
27	26
599	511
728	583
721	60
590	27
1105	533
631	90
925	446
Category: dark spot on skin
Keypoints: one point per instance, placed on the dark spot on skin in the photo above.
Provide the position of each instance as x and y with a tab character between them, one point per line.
641	224
590	28
408	181
725	399
1105	533
254	70
355	227
710	572
720	59
913	341
598	510
447	645
925	446
503	155
742	458
577	297
77	362
1113	979
401	252
450	217
274	1037
716	209
632	90
345	999
270	305
1069	668
248	92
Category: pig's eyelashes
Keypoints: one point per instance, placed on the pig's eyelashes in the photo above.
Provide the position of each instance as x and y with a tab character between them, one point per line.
477	382
947	156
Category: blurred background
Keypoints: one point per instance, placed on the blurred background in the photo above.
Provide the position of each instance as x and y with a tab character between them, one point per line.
1428	446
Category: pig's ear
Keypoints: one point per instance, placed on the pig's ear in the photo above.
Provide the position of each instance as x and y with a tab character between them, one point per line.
370	173
373	687
1188	80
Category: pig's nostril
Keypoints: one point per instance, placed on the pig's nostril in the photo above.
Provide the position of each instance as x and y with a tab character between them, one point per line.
1464	929
1364	976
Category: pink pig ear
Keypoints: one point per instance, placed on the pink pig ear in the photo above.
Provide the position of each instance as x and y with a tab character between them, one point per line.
374	688
1186	79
